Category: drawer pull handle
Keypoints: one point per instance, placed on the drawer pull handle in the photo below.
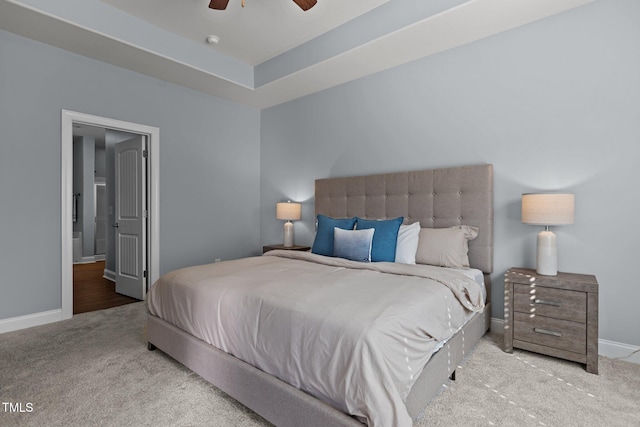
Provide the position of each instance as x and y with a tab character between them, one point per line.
545	302
547	332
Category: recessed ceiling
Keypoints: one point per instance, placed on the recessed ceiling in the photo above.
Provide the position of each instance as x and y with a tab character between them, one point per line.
270	52
254	33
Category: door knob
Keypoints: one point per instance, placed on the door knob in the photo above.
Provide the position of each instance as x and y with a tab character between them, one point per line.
115	225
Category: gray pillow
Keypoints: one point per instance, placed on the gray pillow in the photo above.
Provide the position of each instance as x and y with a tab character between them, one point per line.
353	244
445	247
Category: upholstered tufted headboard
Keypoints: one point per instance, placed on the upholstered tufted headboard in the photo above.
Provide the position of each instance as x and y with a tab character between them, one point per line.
436	198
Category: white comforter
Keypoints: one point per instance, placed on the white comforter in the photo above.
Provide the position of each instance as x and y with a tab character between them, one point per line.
354	335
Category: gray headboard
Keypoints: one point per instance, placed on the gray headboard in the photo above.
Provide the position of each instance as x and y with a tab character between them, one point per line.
436	198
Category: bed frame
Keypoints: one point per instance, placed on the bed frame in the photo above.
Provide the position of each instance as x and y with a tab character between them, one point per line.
436	198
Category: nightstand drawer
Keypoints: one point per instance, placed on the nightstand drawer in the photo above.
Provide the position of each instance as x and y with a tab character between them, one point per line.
556	333
549	302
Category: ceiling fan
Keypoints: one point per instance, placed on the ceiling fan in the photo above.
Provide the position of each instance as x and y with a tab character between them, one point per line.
222	4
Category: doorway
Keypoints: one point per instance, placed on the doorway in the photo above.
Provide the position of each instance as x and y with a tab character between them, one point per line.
90	192
94	245
70	199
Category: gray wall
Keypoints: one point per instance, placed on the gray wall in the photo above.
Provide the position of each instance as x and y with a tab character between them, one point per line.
101	160
83	179
78	178
553	105
87	195
88	164
209	165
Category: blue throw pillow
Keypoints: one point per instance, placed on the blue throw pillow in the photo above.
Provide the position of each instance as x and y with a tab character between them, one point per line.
384	239
353	244
323	243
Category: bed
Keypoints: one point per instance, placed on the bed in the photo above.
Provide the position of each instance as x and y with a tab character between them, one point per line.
435	199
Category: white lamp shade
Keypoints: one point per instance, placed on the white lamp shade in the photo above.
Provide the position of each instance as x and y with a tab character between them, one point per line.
288	211
548	209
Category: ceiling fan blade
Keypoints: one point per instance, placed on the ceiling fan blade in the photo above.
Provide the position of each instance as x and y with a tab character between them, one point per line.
305	4
218	4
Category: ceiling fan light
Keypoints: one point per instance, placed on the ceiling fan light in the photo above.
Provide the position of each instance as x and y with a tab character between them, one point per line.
213	39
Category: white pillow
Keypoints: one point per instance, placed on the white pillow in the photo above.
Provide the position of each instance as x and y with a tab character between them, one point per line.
407	244
445	247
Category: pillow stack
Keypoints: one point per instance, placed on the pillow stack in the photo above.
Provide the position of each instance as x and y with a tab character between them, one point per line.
357	239
371	240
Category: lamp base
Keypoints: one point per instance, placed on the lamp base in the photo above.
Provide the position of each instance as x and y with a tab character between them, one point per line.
288	234
547	255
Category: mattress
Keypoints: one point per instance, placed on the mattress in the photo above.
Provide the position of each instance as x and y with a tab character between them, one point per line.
355	335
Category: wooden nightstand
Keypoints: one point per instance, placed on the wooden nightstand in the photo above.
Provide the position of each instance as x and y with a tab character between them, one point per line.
290	248
552	315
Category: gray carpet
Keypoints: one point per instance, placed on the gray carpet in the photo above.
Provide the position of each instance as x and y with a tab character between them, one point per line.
95	369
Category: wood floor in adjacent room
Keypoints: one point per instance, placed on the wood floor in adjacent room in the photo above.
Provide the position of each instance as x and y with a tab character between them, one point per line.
93	292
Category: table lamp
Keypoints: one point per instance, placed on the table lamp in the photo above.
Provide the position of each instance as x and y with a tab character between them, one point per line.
547	209
288	211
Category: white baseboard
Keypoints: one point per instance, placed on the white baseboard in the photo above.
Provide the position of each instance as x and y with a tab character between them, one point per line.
109	275
497	325
618	350
30	320
610	349
90	259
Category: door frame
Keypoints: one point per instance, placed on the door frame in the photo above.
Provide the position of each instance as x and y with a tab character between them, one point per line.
153	186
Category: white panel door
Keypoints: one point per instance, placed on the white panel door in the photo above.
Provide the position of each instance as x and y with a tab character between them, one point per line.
130	218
